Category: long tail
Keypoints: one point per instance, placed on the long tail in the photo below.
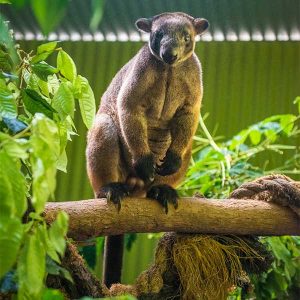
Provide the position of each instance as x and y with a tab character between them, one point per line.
113	259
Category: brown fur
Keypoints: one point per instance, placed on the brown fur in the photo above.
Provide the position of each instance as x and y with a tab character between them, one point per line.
141	139
149	107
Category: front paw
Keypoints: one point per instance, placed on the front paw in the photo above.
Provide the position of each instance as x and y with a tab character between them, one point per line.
145	168
170	164
114	192
164	194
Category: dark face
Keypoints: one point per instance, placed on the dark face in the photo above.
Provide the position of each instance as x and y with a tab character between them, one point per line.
172	42
172	35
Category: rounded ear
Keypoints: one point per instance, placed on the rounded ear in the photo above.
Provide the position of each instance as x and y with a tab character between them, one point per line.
200	25
144	24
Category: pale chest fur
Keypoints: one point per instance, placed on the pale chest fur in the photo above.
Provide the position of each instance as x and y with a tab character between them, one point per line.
168	92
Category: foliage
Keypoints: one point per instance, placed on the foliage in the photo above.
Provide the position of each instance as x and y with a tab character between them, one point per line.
50	13
37	103
220	167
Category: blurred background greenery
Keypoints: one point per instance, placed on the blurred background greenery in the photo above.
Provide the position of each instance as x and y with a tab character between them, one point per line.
250	59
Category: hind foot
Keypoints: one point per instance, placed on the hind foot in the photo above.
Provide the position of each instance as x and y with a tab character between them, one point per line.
164	194
114	192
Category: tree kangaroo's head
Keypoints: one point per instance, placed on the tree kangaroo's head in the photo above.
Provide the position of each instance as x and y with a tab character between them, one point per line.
172	35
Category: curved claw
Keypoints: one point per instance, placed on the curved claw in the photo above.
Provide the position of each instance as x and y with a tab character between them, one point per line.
164	194
115	192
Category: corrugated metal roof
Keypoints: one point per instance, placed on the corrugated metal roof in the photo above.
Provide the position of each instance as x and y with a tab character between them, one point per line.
230	19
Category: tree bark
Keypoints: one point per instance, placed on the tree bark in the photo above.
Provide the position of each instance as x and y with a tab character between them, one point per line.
92	218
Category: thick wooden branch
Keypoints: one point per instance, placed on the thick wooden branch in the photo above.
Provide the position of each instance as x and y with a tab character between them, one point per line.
91	218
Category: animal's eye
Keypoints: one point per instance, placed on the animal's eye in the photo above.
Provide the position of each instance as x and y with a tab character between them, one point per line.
187	38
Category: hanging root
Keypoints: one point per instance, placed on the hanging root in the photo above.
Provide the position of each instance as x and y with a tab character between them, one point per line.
201	266
186	266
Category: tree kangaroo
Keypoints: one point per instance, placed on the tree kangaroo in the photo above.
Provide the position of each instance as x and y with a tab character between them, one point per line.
141	139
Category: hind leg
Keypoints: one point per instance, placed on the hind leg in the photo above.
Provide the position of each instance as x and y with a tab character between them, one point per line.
106	172
163	188
107	175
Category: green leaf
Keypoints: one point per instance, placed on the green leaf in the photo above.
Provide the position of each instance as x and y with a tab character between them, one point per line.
279	249
36	103
6	63
49	13
47	47
45	152
12	187
53	84
6	41
8	106
66	65
31	80
43	51
63	100
50	294
43	70
31	268
11	233
43	86
40	57
97	13
44	237
62	162
86	98
255	136
54	269
16	148
287	123
57	232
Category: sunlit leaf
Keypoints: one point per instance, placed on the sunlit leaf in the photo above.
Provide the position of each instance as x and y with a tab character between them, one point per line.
11	232
50	294
31	268
46	149
16	148
12	187
287	123
43	51
57	232
50	46
66	65
63	100
255	136
43	236
86	99
8	106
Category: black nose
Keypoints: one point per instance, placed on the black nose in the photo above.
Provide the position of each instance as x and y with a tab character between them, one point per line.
169	58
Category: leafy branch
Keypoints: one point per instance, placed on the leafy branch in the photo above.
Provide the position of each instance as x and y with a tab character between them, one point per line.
37	104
